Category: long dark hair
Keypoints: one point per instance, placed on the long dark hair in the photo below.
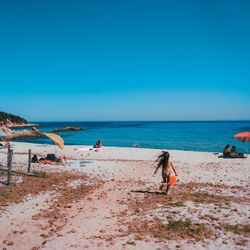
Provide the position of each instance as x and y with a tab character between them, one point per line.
162	159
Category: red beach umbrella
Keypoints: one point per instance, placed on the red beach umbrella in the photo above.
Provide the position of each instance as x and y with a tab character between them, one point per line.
245	136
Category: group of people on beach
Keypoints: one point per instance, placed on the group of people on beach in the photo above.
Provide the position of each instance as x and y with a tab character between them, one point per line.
50	159
57	160
231	153
5	145
163	162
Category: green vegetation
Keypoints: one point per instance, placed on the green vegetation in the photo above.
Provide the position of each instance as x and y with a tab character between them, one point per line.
238	229
4	117
187	227
40	174
131	243
206	197
2	173
179	224
176	204
246	228
3	193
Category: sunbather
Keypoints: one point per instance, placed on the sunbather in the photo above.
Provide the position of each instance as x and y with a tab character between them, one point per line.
34	159
234	153
61	160
52	159
98	144
227	151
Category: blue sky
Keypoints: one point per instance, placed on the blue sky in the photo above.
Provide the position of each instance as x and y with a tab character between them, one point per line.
125	60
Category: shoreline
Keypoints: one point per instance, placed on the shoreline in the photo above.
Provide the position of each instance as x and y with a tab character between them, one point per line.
154	136
91	146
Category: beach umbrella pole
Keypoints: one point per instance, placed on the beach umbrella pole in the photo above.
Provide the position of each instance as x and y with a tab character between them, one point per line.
57	139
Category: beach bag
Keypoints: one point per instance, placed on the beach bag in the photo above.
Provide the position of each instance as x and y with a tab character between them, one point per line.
51	157
172	180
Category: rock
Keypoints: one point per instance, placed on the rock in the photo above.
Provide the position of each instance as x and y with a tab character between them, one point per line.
35	130
76	128
25	134
10	243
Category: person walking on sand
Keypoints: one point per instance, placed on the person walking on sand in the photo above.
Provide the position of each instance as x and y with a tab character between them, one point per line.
165	163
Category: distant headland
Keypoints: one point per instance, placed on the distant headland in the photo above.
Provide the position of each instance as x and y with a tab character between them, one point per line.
9	121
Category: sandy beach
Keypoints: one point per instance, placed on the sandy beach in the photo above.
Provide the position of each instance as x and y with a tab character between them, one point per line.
110	199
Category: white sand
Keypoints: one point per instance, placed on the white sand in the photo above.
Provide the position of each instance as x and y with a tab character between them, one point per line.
98	211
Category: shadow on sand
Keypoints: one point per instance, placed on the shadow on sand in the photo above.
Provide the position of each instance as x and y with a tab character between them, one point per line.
148	192
241	156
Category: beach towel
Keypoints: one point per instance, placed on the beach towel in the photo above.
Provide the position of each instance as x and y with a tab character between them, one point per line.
75	162
83	149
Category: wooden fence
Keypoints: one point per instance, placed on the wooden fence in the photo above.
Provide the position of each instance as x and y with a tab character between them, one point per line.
9	167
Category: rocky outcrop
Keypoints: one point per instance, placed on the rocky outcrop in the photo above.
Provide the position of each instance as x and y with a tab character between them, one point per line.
13	121
22	125
6	119
67	129
25	134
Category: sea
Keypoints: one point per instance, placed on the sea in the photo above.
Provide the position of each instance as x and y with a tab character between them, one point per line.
206	136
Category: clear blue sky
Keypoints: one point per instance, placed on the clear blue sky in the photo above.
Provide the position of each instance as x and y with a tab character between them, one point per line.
125	60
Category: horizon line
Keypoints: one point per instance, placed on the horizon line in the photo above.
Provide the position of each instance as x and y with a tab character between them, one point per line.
147	121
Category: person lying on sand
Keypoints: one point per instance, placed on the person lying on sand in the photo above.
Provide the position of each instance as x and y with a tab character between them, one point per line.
165	163
60	160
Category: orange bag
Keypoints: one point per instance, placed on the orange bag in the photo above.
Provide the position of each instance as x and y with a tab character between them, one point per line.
172	180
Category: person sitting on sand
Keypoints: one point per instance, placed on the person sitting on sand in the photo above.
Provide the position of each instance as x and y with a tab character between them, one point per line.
165	163
227	151
233	153
34	159
98	144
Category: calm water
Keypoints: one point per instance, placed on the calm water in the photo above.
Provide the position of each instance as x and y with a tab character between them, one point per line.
195	136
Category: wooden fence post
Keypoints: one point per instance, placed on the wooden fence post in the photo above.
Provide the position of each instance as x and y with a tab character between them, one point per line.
9	162
29	161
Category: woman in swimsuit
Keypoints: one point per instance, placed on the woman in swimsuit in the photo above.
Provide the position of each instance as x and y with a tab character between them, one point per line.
165	163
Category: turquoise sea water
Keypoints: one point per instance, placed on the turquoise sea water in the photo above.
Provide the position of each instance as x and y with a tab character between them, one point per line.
209	136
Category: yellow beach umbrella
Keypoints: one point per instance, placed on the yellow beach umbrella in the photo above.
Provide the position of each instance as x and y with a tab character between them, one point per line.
58	140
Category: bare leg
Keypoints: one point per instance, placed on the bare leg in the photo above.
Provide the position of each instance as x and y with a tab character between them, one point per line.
167	188
164	180
168	183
